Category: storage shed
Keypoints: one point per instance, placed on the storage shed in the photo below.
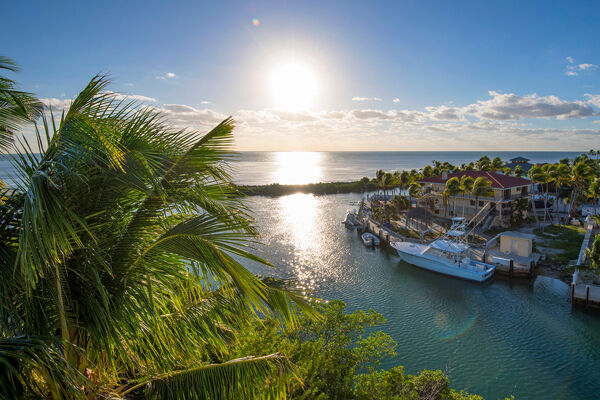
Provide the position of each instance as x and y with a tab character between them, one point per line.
516	243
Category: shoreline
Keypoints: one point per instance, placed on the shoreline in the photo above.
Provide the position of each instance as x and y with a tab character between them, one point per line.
320	188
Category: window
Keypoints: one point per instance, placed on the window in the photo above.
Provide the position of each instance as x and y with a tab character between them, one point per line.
472	202
480	203
518	189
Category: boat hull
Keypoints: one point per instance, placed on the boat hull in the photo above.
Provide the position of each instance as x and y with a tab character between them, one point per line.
442	266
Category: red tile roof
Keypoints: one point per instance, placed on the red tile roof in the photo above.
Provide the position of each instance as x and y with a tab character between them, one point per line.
498	181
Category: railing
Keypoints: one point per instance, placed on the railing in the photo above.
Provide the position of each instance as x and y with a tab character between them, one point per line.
485	198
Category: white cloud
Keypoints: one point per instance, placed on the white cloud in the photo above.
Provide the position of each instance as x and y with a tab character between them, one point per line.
366	99
131	97
57	105
129	84
205	102
441	113
505	107
184	116
167	75
572	68
396	100
585	66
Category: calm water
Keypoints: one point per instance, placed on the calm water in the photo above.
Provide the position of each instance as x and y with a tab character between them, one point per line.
259	168
495	339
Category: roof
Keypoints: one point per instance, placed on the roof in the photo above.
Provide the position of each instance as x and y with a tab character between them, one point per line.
519	159
525	166
498	181
515	234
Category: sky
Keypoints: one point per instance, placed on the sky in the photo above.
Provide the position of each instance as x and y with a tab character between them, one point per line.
330	75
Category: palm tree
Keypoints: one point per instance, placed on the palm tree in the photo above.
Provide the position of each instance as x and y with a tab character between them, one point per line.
483	164
496	164
452	189
536	175
580	175
593	192
121	257
414	191
518	171
16	107
593	255
466	186
481	187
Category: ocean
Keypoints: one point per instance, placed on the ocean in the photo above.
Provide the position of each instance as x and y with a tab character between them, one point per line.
260	168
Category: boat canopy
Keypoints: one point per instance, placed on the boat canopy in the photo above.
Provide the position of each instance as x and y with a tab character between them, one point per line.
450	247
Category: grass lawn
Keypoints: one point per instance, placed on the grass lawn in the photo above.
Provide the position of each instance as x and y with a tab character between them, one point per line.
563	237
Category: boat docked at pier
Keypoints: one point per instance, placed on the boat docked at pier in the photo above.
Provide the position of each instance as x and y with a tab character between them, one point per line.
370	240
448	255
351	221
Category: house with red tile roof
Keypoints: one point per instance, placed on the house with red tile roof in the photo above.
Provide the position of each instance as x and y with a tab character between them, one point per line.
506	191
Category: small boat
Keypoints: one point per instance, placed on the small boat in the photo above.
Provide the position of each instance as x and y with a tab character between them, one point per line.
351	221
447	255
370	240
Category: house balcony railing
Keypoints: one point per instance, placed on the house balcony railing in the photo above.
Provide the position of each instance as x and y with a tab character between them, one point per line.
515	196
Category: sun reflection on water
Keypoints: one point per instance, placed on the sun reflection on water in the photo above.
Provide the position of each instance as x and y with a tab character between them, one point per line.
300	215
296	168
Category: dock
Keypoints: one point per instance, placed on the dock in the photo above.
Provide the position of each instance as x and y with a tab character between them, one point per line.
584	293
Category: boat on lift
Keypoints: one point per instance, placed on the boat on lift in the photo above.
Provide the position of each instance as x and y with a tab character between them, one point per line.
370	240
351	221
448	255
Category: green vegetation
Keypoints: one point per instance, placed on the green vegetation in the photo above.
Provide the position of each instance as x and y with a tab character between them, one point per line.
16	107
275	189
335	359
116	272
567	238
592	255
117	276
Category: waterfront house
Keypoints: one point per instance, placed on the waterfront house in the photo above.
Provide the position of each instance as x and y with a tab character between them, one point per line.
519	161
496	210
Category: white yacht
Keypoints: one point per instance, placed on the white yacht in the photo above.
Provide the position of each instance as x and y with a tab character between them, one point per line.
447	255
370	240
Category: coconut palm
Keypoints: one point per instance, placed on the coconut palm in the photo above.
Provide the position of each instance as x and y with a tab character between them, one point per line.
536	175
593	192
451	190
414	191
518	171
580	176
593	256
496	164
16	107
483	164
466	186
120	261
482	187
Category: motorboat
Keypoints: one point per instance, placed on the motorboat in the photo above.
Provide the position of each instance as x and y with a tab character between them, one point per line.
448	255
370	240
351	221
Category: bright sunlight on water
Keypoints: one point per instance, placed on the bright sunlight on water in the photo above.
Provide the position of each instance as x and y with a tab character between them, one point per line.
294	168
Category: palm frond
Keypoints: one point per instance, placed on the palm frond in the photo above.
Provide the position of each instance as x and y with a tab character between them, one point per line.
244	378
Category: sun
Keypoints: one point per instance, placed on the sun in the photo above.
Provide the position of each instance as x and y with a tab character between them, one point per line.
293	86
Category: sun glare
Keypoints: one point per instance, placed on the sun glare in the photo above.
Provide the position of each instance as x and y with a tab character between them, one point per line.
293	86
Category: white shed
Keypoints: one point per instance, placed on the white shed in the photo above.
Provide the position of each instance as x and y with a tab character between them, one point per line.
516	243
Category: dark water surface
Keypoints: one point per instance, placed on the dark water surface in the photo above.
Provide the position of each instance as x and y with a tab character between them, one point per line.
495	339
